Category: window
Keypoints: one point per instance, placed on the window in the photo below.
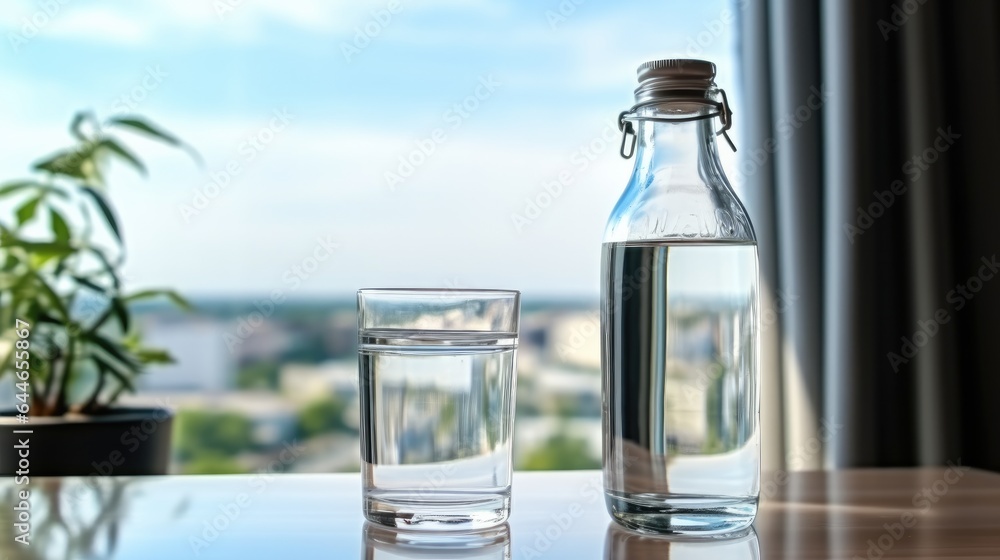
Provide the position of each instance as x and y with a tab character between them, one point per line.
345	145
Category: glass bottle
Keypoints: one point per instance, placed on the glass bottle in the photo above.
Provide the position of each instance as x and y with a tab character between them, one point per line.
679	318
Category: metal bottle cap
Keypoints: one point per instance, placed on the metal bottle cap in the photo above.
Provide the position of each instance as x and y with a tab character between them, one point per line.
657	78
673	79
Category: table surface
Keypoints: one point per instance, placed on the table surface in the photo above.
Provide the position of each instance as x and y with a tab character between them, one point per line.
871	513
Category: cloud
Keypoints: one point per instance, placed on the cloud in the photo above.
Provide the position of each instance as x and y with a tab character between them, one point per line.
238	21
449	223
101	23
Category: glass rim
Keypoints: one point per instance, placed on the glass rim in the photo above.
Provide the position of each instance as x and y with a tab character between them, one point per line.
458	292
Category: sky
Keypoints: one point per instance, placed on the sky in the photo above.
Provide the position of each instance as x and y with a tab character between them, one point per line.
354	144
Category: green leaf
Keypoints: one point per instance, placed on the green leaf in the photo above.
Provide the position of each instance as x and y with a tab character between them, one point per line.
124	154
83	281
121	312
42	188
106	211
59	226
75	162
27	210
110	268
112	349
13	284
145	127
179	300
8	281
55	301
61	266
45	249
173	296
154	356
38	260
15	186
43	317
78	118
10	262
106	367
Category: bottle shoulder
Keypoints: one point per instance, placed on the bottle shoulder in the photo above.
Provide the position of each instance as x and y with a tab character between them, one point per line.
700	212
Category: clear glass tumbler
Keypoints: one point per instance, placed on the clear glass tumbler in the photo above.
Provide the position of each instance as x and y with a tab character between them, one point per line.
437	380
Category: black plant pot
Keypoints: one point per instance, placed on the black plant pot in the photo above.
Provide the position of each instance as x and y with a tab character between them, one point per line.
124	441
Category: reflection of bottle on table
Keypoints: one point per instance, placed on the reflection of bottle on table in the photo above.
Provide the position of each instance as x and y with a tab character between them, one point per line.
622	544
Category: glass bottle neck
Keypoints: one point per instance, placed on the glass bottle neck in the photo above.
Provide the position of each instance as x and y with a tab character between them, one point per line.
678	190
676	152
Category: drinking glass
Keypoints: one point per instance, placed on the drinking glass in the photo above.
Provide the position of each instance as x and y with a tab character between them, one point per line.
437	380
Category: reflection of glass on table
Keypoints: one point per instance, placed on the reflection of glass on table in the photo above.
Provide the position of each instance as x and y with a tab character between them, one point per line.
383	543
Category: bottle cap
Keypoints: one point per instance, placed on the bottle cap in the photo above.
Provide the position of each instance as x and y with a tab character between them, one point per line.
658	78
672	79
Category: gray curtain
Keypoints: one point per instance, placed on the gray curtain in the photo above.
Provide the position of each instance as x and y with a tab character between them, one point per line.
869	156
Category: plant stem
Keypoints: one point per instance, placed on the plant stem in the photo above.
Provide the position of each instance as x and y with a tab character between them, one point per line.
47	390
92	401
60	397
114	396
35	402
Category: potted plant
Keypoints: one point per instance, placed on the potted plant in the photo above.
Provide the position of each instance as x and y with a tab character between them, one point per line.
67	339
